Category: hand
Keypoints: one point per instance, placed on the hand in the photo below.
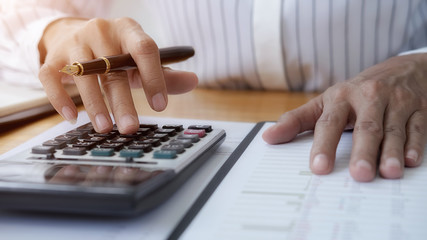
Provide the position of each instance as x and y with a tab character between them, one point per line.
386	105
68	40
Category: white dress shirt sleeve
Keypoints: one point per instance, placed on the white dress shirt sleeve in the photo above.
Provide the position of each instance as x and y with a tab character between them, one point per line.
415	51
22	24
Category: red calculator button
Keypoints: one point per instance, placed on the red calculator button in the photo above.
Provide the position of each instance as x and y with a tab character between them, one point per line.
199	132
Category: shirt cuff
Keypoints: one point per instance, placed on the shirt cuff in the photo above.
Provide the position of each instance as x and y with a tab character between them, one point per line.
415	51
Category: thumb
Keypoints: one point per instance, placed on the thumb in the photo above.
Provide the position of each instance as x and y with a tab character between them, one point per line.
294	122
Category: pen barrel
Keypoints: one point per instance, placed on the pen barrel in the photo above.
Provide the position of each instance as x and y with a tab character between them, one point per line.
125	61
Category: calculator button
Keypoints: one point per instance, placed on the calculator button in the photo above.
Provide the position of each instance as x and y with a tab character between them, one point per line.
185	142
170	132
162	136
106	135
153	141
43	149
74	151
87	145
177	128
55	144
66	139
207	128
144	147
152	127
144	131
136	135
115	128
121	140
115	146
164	154
78	134
97	140
193	137
131	153
176	148
105	152
88	127
200	132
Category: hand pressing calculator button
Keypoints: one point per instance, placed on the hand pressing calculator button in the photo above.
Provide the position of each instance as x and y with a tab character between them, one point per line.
81	171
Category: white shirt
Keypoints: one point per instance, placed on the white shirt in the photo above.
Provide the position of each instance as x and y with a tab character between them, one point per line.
297	45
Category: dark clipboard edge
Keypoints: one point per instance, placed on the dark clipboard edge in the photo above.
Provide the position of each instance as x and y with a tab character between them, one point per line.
16	119
214	183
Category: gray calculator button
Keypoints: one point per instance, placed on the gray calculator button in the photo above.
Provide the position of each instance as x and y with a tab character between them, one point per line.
43	149
74	151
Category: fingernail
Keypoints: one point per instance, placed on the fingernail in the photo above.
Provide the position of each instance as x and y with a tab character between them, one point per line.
412	155
363	164
128	121
102	123
391	163
320	163
159	102
68	114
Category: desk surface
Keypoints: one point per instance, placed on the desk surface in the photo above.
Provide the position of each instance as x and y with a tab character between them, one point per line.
243	106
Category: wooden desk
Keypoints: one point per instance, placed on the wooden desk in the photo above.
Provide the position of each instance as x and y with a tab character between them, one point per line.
244	106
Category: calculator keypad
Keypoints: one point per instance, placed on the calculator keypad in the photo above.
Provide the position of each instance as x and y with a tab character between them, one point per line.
151	145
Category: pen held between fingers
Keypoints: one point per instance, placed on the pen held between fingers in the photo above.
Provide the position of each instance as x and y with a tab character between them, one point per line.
121	62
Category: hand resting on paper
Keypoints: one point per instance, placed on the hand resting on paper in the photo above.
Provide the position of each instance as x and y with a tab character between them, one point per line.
68	40
385	105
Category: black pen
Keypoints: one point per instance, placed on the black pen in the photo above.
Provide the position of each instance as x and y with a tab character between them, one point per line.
108	64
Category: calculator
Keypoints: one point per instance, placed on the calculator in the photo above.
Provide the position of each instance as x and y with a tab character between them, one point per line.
82	171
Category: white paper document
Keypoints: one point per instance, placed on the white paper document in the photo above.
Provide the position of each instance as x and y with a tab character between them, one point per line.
270	193
156	224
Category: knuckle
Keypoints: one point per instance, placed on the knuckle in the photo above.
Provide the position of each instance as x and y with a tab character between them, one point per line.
402	95
112	79
395	131
146	46
337	93
152	84
417	129
369	126
371	89
418	124
127	21
97	23
45	71
329	120
98	27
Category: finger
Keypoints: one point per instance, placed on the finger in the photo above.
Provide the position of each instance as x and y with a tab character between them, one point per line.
114	84
125	175
293	122
91	94
50	77
98	175
69	174
178	82
327	134
367	137
416	139
146	55
392	160
117	90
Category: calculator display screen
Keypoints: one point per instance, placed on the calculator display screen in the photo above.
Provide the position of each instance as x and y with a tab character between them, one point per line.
75	174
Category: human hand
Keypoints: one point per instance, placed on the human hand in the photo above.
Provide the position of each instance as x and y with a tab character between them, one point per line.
385	105
68	40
